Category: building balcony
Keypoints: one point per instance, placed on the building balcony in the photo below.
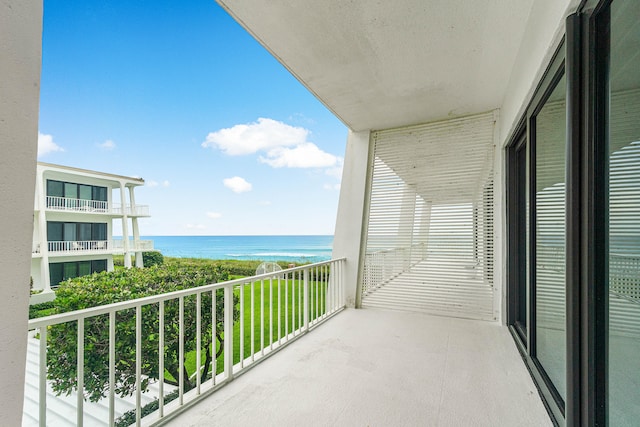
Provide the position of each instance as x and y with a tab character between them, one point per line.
77	247
66	204
341	367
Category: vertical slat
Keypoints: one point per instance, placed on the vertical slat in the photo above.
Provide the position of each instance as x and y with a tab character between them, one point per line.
241	325
214	337
228	332
305	299
253	315
138	364
300	309
315	314
198	340
262	317
80	373
112	367
286	307
42	379
293	303
161	359
279	319
181	350
271	313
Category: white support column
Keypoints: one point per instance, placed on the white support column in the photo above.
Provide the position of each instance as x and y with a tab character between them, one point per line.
20	50
125	227
136	230
351	211
45	279
404	239
425	225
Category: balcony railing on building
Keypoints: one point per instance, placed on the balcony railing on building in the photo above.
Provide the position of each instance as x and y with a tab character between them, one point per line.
75	246
56	203
253	318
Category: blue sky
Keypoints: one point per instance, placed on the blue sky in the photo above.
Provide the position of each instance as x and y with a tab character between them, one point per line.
177	93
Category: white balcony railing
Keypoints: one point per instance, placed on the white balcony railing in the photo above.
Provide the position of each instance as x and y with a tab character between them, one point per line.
80	246
271	310
94	206
140	245
95	246
382	266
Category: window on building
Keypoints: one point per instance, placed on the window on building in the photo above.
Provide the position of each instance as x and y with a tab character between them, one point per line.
61	271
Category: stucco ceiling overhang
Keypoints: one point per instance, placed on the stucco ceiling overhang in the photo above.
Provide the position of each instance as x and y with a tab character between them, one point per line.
385	64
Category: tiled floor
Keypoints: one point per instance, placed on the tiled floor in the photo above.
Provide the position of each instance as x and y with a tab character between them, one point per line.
383	368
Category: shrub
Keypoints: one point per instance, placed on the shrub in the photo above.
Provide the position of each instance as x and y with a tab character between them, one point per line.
152	258
41	310
122	285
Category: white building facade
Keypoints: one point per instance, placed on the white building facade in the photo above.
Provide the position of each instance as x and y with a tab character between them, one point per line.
74	215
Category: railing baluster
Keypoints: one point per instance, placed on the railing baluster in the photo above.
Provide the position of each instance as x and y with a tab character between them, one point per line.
214	336
262	317
241	325
42	379
138	363
279	319
286	307
300	274
315	314
181	350
305	305
271	313
228	332
161	358
198	340
80	374
253	311
112	367
293	303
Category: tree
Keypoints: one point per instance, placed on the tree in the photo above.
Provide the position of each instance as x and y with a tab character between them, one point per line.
122	285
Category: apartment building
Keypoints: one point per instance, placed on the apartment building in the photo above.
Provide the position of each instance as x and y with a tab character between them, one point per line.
73	225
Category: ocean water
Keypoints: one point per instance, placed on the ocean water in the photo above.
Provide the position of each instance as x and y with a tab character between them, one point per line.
263	248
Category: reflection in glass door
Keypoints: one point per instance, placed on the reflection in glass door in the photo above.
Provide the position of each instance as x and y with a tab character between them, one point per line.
549	243
624	215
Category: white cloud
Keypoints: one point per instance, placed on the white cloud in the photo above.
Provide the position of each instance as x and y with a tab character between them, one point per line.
305	155
250	138
265	203
237	184
165	183
282	145
195	226
214	215
46	145
152	183
108	145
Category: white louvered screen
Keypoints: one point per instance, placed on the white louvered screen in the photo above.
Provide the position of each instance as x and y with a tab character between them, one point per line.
429	236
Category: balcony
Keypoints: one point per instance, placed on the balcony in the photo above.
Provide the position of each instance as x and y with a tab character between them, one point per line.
66	204
134	246
253	317
358	367
62	248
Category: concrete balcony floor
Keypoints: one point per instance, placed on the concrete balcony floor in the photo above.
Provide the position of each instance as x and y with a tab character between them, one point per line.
383	368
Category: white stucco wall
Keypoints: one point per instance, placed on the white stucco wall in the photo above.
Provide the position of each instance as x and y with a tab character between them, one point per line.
545	29
348	234
20	59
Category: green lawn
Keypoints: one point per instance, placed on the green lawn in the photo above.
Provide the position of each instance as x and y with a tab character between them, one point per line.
276	325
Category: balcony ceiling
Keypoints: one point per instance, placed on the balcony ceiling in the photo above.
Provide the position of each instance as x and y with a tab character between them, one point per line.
383	64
